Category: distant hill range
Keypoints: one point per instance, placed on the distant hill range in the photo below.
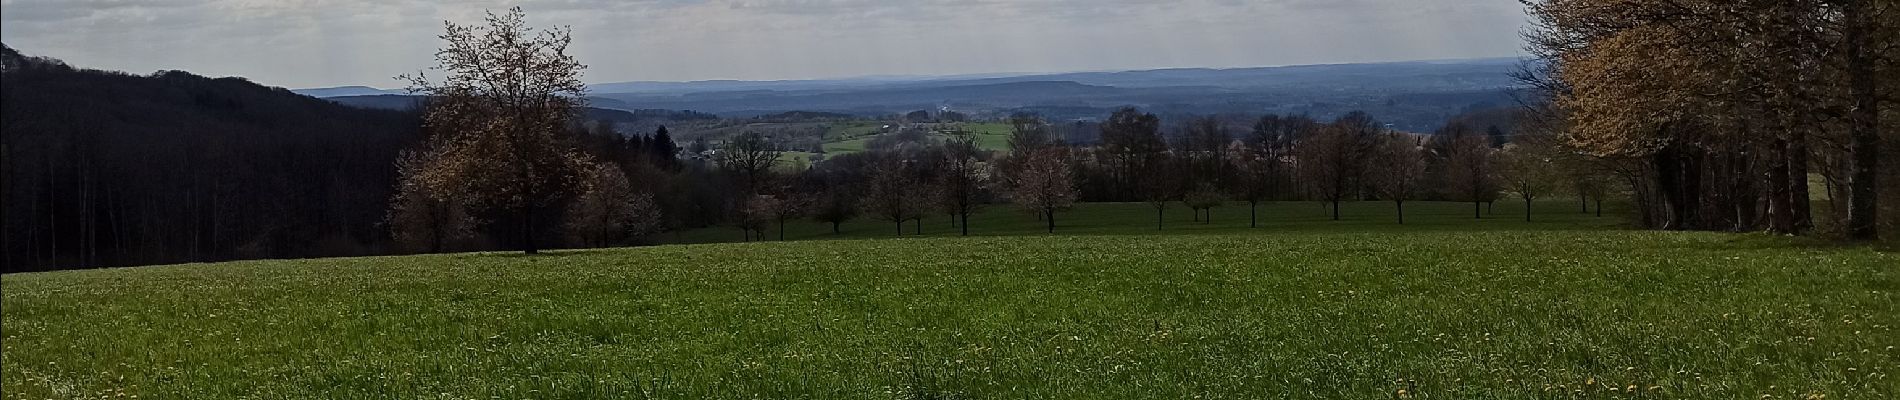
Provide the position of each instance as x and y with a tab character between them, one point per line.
1416	95
343	91
404	102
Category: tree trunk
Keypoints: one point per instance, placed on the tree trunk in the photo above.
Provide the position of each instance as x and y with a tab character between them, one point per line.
1049	215
1863	204
900	227
1477	210
527	231
919	231
966	223
1253	214
1668	180
438	225
1780	190
1335	209
781	230
1158	212
1798	174
1527	209
834	227
1401	207
1599	206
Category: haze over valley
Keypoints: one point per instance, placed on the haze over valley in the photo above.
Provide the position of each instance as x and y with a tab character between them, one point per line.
1415	96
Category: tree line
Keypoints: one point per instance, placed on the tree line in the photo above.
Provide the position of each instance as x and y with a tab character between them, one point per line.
1698	114
1198	165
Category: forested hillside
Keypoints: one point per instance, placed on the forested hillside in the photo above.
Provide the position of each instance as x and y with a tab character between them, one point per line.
106	168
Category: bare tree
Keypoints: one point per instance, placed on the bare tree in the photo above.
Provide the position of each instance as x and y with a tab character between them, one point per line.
961	180
755	214
1333	159
1045	184
1029	133
1160	183
1260	163
835	206
1400	169
1468	170
749	156
786	208
500	118
1134	148
1200	150
889	193
1528	171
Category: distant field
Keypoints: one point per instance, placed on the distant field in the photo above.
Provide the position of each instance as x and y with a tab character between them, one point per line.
851	137
1358	310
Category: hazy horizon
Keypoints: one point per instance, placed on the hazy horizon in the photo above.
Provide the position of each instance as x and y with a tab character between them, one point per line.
329	43
951	77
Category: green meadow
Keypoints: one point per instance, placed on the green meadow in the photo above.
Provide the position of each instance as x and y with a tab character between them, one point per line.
1445	307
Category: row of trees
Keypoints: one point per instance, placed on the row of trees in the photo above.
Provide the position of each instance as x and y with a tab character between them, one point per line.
1686	168
502	150
1711	113
1715	113
1199	165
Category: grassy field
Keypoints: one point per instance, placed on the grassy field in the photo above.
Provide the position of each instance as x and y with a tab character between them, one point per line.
1305	308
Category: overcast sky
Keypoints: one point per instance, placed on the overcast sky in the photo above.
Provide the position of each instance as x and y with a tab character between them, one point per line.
312	43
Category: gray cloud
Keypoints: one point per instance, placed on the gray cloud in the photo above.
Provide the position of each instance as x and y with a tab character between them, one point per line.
303	43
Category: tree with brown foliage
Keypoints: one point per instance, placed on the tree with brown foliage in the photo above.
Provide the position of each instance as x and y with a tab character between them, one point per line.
1709	92
499	120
